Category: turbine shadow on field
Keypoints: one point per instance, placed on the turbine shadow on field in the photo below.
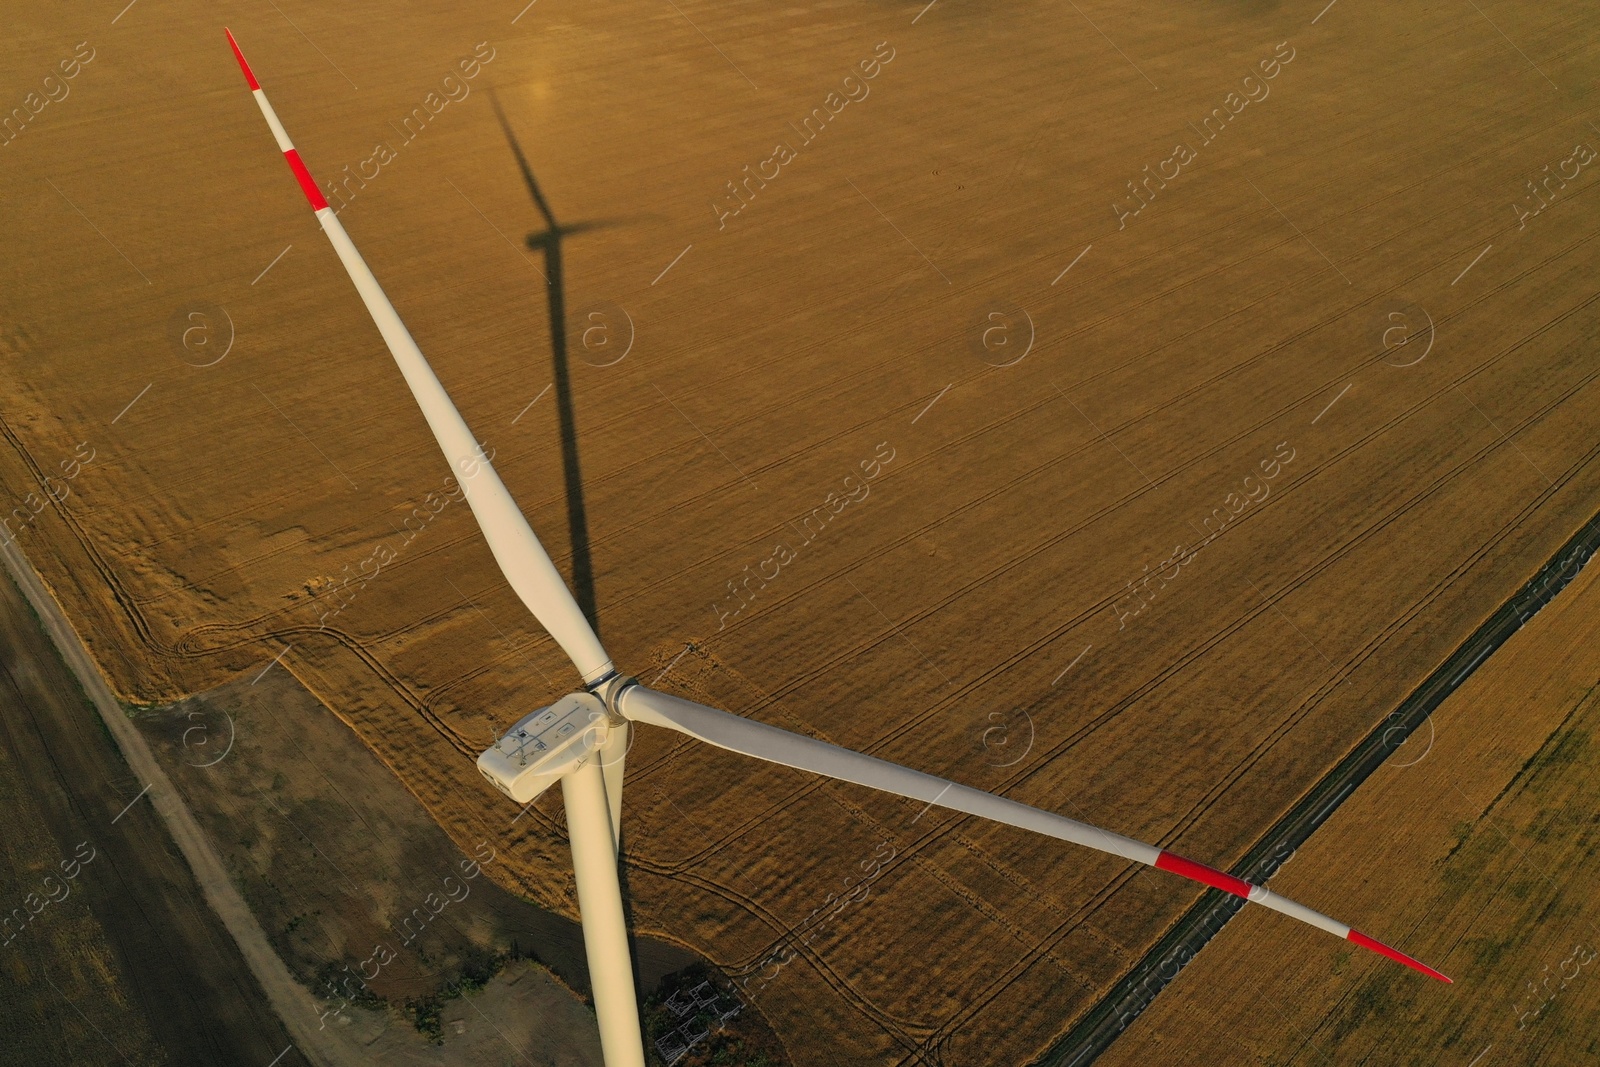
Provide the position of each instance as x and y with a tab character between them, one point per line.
549	242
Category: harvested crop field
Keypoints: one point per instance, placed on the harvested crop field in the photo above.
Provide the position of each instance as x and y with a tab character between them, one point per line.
1480	842
944	439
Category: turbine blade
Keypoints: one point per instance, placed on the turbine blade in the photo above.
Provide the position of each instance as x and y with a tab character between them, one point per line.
613	757
751	738
516	549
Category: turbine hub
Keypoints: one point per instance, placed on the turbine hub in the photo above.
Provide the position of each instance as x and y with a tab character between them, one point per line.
609	689
546	745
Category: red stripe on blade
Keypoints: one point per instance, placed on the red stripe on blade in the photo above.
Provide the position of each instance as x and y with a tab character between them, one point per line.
307	184
1394	954
250	79
1199	872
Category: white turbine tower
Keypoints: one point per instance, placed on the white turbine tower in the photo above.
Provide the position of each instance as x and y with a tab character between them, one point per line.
581	740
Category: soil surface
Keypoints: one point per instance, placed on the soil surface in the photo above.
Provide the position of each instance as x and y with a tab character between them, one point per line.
110	952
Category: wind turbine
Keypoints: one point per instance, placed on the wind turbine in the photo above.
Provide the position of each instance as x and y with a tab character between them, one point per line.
581	740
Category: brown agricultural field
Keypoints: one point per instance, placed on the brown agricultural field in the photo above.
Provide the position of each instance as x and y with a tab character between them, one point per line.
1480	843
977	412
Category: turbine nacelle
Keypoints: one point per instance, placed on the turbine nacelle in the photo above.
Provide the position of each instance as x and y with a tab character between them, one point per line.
545	746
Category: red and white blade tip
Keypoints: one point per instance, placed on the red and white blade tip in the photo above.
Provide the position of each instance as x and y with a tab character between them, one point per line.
1359	938
308	185
1199	872
249	77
